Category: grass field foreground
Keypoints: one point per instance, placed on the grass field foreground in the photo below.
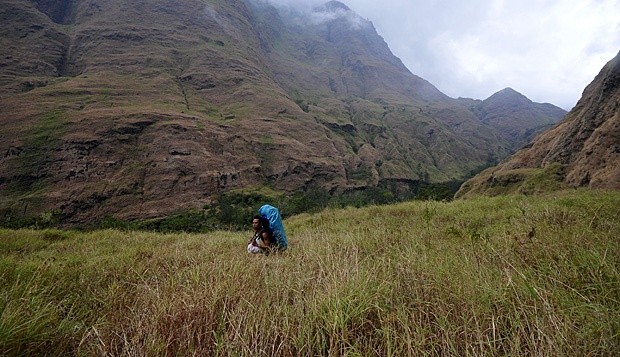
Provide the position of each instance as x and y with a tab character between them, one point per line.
511	275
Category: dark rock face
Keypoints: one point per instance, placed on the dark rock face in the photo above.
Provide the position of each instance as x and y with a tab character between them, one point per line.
141	108
585	144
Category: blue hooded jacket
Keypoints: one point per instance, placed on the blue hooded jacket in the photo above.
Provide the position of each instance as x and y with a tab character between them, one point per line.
275	223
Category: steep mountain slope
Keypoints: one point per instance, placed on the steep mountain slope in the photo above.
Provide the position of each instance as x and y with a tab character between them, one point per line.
335	65
583	149
141	108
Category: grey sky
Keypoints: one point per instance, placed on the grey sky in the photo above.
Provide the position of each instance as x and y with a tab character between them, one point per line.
548	50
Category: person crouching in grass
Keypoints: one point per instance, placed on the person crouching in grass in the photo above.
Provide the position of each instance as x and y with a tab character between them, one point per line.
261	241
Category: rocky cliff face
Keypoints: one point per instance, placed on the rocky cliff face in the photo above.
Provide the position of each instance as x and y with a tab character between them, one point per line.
582	150
140	108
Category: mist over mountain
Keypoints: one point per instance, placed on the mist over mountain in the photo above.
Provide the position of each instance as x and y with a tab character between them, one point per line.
138	109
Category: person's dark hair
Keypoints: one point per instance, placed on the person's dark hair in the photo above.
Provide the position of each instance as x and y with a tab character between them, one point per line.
266	224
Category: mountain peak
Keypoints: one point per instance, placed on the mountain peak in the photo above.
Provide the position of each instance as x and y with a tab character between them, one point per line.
516	117
508	92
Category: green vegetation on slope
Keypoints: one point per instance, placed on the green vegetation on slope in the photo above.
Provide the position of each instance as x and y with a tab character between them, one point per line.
234	209
39	145
510	275
526	181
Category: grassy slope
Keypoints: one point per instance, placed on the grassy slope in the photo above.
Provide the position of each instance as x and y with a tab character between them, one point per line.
410	279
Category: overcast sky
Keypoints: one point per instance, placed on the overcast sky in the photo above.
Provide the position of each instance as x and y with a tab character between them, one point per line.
548	50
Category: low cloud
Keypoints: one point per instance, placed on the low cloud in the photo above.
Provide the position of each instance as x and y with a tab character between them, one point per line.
315	12
302	6
320	16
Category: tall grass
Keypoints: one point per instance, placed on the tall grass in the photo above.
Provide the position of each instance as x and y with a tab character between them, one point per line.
469	277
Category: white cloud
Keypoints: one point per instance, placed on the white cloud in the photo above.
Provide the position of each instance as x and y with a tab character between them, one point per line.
354	20
547	50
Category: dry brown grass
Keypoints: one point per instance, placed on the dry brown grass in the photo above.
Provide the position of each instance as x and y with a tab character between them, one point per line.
421	278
